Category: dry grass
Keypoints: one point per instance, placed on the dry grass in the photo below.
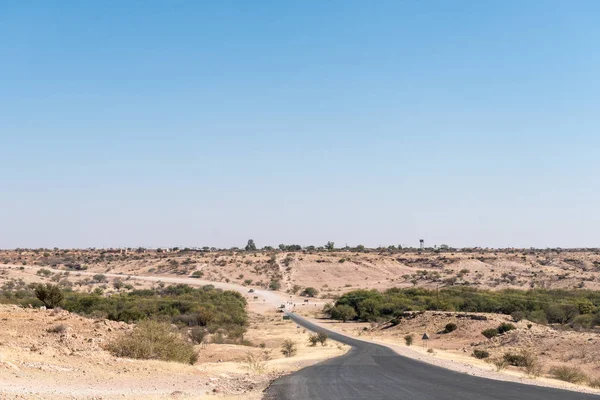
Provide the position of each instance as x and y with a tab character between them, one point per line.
257	364
568	374
152	340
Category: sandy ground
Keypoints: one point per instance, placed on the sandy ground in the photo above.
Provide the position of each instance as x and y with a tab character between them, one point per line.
454	350
339	271
37	364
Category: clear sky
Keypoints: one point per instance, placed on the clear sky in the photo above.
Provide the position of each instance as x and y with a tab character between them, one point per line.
192	123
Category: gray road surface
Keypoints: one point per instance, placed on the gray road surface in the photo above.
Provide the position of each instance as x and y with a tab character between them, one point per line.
371	371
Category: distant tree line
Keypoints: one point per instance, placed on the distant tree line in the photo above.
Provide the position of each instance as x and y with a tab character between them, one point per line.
574	307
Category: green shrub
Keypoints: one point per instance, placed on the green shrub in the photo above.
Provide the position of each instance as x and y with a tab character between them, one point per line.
49	294
408	339
516	360
585	321
481	354
313	340
310	292
44	272
450	327
275	285
568	374
152	340
343	312
505	327
490	333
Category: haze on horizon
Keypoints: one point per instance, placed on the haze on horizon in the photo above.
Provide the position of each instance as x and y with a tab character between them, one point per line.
194	124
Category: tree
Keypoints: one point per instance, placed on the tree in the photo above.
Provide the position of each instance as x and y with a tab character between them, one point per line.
251	246
49	294
330	246
343	312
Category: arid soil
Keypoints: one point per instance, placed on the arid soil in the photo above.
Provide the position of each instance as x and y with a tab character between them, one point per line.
36	362
73	364
336	272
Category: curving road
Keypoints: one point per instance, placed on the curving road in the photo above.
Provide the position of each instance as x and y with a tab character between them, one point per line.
374	372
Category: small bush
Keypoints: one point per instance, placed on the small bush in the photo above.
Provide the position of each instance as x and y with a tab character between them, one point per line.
450	327
58	329
490	333
151	340
322	338
49	294
309	292
408	339
594	382
288	348
43	272
568	374
517	315
275	285
505	327
481	354
255	363
198	334
500	363
197	274
516	360
313	340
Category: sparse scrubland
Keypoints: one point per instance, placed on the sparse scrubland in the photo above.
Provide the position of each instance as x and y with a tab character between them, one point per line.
210	309
533	311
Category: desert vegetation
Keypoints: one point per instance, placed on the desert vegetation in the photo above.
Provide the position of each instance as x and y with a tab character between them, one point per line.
210	310
153	340
576	308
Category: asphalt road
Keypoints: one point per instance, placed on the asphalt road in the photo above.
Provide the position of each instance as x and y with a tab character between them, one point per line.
371	371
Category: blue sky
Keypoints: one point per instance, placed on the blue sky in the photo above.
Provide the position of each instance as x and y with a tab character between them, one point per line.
163	123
